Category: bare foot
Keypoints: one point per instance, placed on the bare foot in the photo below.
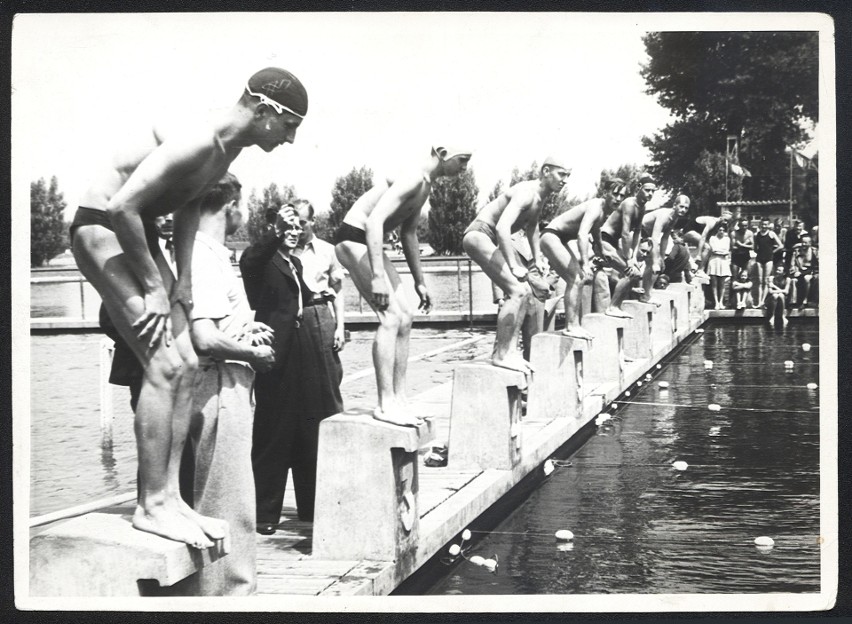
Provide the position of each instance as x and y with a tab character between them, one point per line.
214	528
618	312
577	332
172	525
395	417
514	363
647	299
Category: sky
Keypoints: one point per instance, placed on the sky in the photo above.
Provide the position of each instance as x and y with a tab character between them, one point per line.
382	89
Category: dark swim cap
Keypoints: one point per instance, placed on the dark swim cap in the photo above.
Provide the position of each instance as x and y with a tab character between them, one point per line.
282	88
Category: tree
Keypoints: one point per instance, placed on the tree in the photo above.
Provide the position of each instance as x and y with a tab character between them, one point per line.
704	183
628	172
760	87
453	207
272	198
345	192
47	227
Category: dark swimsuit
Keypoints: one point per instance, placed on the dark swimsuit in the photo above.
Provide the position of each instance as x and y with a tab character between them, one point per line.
765	244
351	233
95	216
606	237
564	238
478	225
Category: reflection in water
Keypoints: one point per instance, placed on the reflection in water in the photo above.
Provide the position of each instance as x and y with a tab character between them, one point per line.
70	460
642	527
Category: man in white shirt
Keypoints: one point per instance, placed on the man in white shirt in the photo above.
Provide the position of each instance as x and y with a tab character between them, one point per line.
324	314
231	346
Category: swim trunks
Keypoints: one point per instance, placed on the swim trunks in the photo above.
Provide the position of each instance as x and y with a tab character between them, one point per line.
765	244
563	238
481	226
606	237
95	216
351	233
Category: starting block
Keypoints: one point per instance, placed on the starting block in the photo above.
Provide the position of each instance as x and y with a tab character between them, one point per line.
664	328
680	296
485	417
102	554
556	390
638	334
366	499
605	359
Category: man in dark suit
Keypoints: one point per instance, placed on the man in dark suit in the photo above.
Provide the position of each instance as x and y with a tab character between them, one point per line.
292	398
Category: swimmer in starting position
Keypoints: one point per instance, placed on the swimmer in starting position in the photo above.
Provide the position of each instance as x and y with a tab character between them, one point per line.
565	244
488	241
114	241
390	204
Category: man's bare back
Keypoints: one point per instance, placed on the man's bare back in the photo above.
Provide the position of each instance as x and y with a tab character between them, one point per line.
528	195
415	189
198	151
567	224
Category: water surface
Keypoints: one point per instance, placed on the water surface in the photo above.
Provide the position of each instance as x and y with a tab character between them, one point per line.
643	527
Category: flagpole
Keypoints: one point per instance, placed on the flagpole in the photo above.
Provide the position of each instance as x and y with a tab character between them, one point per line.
727	165
791	186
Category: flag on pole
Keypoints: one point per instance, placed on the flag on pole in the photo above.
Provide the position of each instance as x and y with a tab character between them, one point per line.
800	159
733	158
739	170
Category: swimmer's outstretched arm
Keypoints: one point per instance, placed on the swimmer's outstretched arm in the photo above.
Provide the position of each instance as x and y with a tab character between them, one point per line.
511	214
411	250
534	238
660	240
185	227
586	228
388	204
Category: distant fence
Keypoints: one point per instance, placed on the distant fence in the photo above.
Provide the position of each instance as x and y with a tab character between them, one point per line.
459	289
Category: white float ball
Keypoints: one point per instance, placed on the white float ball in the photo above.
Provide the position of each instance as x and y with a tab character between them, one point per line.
627	393
708	364
615	406
564	535
788	364
699	331
680	465
466	535
812	386
664	384
806	346
491	564
764	541
548	467
638	384
714	407
455	549
477	560
648	377
659	366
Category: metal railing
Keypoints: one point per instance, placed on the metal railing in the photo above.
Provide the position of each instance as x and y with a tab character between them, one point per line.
435	265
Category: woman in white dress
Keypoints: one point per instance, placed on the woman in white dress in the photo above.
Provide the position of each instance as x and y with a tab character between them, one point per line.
719	265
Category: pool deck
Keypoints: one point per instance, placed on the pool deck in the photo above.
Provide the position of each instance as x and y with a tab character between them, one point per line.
356	319
448	499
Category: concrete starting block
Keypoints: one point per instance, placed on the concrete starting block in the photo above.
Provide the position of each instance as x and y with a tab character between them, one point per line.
638	334
604	361
485	417
366	499
556	390
696	297
103	555
664	328
680	297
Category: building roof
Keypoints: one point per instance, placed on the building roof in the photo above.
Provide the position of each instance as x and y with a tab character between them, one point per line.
767	202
